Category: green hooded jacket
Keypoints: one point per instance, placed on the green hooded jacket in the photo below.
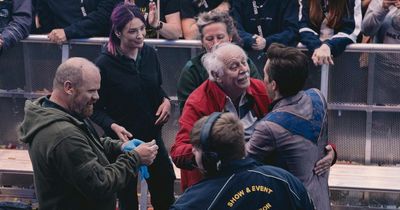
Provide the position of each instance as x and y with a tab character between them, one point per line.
194	74
70	163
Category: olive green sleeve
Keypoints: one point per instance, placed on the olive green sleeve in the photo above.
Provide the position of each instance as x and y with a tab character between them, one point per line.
254	73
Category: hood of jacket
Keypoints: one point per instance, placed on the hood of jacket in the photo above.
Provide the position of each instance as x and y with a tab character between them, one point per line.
38	117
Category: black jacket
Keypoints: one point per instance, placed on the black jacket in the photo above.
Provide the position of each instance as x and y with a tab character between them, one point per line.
350	26
15	21
167	7
244	184
67	14
277	18
130	93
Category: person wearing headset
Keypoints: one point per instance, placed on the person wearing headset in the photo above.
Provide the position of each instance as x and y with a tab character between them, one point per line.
233	181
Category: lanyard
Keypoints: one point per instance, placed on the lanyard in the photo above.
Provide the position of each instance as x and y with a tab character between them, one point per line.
257	15
83	10
204	2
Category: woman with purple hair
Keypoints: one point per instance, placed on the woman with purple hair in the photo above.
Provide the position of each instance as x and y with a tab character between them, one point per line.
132	102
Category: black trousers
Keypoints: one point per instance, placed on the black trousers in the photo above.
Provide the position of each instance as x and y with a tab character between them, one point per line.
160	183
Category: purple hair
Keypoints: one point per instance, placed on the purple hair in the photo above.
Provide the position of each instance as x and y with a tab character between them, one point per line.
122	14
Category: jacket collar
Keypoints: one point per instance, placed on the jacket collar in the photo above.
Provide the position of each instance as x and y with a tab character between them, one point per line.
47	103
220	96
237	166
285	101
216	93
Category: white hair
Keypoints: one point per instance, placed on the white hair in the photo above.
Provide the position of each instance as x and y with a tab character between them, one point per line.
212	63
212	60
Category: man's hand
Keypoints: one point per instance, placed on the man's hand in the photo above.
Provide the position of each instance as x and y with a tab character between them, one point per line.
58	36
153	18
163	111
260	42
322	55
1	42
121	132
325	163
147	152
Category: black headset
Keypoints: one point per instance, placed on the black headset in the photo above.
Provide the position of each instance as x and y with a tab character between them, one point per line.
209	158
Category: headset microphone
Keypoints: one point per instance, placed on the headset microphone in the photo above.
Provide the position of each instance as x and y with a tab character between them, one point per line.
209	158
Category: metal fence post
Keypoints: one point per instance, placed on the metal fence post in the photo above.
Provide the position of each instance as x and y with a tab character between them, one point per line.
325	80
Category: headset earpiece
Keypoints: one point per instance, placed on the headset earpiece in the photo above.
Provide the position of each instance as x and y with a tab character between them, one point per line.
209	159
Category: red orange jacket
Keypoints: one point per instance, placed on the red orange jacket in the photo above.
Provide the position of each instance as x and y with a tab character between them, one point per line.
206	99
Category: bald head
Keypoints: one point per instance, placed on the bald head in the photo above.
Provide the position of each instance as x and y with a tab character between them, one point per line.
73	70
76	85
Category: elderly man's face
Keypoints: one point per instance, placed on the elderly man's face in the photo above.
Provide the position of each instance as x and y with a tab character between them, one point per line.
236	77
85	96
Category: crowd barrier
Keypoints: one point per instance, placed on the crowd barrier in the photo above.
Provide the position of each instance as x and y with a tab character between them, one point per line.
365	132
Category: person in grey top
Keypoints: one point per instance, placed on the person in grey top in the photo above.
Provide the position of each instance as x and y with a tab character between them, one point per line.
382	20
293	135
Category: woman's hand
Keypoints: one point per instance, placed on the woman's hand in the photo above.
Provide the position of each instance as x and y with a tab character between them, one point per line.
153	18
322	55
121	132
164	110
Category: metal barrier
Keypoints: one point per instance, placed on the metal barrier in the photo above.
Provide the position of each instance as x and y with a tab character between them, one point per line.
364	131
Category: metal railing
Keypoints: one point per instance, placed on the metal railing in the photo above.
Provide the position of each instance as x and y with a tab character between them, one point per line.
39	65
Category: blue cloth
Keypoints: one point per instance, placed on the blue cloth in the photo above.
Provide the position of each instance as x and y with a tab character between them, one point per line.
132	144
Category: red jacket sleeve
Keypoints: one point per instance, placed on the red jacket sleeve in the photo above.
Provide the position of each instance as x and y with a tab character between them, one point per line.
181	151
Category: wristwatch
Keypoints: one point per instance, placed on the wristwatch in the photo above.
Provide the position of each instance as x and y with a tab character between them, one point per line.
159	27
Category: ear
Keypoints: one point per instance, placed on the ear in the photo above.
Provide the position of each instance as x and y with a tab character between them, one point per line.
68	87
230	38
117	33
196	149
273	85
216	76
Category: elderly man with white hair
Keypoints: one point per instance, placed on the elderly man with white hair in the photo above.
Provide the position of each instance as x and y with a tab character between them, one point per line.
229	89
